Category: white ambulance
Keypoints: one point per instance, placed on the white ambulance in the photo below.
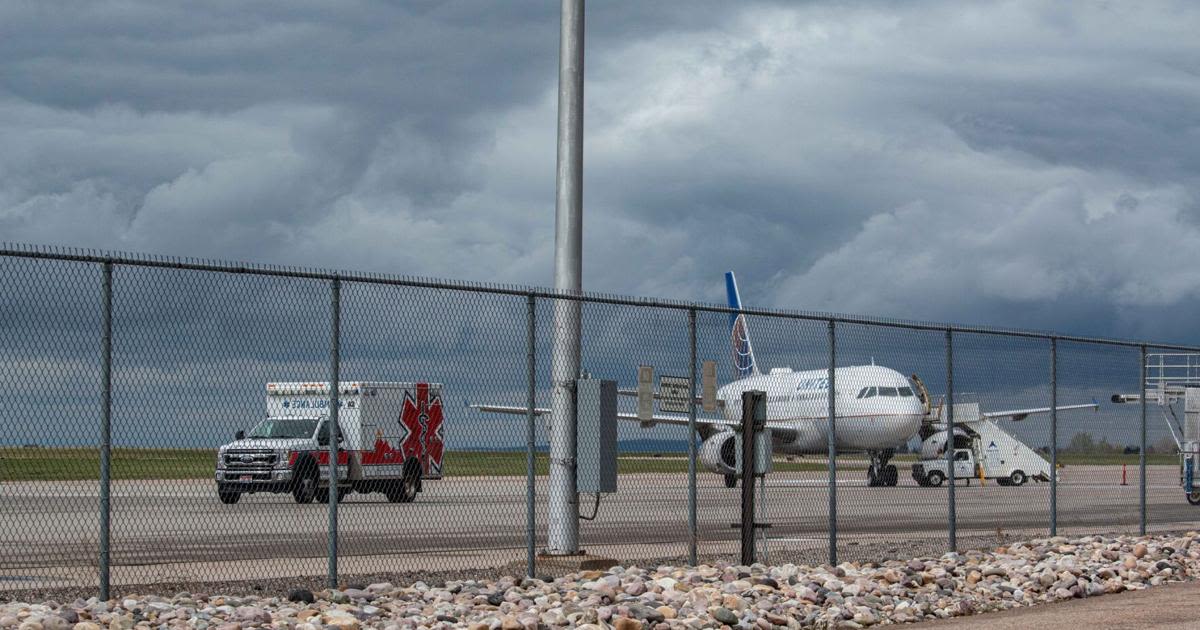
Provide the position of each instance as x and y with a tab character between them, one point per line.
391	438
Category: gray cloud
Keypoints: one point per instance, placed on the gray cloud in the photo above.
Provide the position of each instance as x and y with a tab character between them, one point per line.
1028	163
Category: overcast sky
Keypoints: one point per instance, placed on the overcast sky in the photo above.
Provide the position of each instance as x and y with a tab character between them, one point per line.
1029	164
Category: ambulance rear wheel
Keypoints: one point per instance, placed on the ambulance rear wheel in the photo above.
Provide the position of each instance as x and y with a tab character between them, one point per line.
1017	478
229	498
730	481
403	490
935	478
1193	497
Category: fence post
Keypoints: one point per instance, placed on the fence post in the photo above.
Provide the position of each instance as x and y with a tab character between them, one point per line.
1053	436
334	388
951	514
105	428
1142	453
530	436
753	421
831	444
693	529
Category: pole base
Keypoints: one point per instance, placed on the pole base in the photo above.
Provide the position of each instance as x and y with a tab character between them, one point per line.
574	563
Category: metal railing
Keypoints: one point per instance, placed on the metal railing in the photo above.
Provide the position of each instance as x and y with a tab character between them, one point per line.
192	338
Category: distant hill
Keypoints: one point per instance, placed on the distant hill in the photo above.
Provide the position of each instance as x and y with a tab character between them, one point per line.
623	446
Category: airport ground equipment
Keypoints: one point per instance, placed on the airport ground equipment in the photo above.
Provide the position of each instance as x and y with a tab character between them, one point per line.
1171	378
391	438
981	449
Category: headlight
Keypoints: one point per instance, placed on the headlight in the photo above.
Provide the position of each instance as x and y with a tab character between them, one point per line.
281	458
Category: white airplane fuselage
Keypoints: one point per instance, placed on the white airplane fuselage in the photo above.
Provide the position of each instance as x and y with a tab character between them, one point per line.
877	408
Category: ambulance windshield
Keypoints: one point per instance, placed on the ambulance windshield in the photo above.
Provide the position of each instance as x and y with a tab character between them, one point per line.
284	428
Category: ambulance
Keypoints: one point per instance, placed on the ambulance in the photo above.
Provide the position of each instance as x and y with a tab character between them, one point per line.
390	436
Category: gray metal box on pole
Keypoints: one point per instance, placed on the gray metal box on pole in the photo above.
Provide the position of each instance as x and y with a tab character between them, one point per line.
596	458
762	452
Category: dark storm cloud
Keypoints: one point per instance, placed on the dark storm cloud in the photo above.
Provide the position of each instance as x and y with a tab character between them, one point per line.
1025	163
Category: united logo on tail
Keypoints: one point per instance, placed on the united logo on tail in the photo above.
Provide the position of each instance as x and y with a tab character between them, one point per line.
743	352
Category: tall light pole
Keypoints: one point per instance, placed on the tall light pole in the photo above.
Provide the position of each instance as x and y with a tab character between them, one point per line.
563	536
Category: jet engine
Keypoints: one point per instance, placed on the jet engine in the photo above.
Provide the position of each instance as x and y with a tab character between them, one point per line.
717	453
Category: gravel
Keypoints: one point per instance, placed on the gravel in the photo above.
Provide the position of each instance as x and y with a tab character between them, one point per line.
850	595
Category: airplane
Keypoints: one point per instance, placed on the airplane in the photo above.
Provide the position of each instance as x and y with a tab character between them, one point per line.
877	409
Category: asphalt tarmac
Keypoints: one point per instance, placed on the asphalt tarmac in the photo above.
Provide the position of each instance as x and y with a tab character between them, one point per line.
49	531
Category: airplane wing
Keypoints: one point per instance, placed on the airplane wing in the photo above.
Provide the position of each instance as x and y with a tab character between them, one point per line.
516	411
1021	414
674	419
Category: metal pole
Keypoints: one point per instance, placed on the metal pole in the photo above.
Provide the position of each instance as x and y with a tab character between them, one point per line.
761	516
568	268
334	387
693	529
530	438
1053	436
831	444
1142	455
950	515
750	426
105	427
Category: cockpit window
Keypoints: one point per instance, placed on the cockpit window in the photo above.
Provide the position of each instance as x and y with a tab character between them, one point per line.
867	392
888	391
906	392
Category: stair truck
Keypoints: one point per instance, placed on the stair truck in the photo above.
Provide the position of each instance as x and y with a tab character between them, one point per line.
981	450
391	439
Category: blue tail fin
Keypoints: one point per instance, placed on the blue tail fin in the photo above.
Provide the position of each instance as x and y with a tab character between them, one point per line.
743	352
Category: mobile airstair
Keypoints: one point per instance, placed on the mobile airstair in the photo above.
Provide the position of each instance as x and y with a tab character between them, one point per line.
1172	378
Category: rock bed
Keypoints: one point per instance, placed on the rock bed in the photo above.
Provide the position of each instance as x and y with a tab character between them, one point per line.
851	595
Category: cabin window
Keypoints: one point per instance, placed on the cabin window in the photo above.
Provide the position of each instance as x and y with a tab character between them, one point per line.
906	392
888	391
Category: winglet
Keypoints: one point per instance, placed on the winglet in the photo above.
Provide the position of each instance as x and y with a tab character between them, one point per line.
743	352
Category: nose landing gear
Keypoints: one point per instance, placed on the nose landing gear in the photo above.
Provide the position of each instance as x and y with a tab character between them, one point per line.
880	472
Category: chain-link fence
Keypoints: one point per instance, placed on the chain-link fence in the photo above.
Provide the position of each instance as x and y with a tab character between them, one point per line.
171	422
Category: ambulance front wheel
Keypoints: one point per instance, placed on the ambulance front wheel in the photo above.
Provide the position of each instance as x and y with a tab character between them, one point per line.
229	498
305	489
1193	497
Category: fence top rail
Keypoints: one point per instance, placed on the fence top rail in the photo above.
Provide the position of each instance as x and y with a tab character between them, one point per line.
47	252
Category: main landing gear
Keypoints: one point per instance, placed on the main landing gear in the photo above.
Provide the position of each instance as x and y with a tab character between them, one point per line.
880	472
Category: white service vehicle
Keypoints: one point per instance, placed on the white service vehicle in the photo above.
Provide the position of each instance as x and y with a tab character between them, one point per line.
390	438
981	449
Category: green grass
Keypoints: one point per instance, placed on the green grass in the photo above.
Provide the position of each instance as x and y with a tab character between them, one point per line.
1116	459
59	464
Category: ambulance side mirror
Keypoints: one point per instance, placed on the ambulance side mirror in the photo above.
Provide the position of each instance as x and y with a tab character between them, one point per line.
240	435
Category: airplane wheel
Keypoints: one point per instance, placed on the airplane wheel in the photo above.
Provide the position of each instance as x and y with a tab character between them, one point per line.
872	478
730	481
1194	497
935	478
891	476
1017	478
